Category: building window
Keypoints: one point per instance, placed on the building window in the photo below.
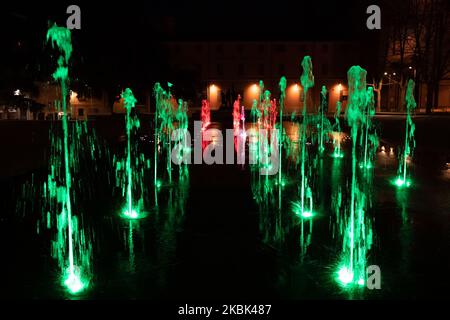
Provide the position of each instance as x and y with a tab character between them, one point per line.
241	70
81	112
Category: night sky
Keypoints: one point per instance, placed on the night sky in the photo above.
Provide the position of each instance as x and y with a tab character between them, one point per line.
119	43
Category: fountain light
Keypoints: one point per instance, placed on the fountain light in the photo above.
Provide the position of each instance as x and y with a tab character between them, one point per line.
345	276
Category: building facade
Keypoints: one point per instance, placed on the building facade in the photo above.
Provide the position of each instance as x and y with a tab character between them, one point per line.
222	70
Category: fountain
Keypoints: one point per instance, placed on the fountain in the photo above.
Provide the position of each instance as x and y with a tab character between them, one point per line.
183	150
307	80
236	115
402	180
71	243
323	103
282	85
163	131
369	137
337	136
130	170
205	114
356	229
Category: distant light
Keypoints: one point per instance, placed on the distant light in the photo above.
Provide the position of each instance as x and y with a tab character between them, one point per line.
385	73
393	73
255	88
17	92
410	67
213	89
339	87
73	95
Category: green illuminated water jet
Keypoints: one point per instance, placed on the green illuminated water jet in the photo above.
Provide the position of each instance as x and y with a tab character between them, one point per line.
307	81
323	103
304	207
369	137
282	86
70	237
402	180
357	233
337	153
163	128
130	170
183	150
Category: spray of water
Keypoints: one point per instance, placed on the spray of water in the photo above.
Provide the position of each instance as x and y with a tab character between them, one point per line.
402	180
71	247
357	230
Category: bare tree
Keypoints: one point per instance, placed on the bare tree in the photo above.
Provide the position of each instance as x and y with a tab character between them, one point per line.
431	45
418	39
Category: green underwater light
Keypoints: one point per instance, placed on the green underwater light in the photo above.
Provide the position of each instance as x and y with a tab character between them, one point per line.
132	215
337	154
307	214
345	276
74	283
297	208
402	183
410	143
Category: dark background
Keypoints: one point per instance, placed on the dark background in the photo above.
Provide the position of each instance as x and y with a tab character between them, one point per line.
119	42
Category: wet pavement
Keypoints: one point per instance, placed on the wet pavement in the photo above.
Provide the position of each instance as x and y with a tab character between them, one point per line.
206	241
